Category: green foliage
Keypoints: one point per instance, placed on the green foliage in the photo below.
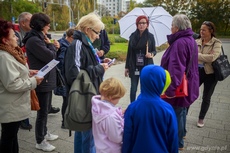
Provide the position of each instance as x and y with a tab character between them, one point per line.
12	8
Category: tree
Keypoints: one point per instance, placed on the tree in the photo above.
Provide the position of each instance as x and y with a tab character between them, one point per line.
216	11
10	8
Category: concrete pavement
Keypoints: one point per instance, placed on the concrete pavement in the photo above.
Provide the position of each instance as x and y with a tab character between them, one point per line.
214	137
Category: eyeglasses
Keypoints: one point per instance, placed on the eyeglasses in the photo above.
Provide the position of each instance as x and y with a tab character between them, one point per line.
97	33
208	23
142	23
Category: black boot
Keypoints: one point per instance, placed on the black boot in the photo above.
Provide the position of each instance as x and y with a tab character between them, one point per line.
54	110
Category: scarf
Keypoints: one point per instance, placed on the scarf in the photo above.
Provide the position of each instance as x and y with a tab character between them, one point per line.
17	53
139	42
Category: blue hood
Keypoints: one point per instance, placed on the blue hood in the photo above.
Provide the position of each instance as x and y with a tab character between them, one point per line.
153	80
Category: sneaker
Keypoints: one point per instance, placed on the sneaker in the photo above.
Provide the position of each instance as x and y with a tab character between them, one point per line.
50	137
45	146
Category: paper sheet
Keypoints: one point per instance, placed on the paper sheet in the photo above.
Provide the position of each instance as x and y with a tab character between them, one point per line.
48	67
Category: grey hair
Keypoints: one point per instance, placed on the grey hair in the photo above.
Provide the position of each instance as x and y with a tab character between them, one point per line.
181	21
90	20
22	16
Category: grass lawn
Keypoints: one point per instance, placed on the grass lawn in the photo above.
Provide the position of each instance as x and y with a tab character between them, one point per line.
118	51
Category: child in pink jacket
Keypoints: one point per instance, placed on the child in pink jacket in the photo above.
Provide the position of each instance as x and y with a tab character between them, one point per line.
108	121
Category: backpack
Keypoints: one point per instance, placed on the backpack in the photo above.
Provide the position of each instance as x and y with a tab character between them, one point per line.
78	116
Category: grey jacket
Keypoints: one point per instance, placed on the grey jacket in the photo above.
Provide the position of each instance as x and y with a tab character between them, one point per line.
15	86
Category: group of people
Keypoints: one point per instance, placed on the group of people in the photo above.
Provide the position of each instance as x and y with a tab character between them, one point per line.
183	56
150	123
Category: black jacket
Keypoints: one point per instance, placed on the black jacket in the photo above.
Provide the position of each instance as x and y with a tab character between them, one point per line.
40	53
136	46
82	58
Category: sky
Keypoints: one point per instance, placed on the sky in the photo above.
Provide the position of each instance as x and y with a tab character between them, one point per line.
139	1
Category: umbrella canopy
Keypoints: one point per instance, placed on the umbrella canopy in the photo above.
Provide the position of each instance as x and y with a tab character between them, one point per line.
159	23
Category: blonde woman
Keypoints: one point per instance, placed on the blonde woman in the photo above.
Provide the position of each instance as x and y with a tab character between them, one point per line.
82	55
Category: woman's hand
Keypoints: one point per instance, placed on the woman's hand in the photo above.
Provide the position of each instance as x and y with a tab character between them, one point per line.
56	43
107	60
47	40
39	79
149	55
100	53
105	66
32	72
126	72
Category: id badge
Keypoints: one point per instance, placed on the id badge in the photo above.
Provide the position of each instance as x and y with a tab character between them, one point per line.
140	60
137	72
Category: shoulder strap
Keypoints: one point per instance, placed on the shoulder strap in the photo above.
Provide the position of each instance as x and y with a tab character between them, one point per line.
190	62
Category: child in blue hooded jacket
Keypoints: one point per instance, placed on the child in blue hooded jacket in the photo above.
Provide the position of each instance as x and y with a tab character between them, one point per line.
150	123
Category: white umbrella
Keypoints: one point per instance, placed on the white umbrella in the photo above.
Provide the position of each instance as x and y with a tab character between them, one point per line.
159	23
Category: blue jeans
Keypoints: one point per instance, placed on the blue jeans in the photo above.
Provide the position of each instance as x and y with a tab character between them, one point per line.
181	123
83	142
133	88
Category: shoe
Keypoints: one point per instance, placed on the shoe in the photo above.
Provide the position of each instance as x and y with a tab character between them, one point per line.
200	123
181	149
50	137
63	126
25	126
45	146
54	110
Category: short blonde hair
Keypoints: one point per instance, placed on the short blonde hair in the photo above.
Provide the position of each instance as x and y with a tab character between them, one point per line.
90	20
112	88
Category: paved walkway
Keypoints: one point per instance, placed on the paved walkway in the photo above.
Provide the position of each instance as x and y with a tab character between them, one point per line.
212	138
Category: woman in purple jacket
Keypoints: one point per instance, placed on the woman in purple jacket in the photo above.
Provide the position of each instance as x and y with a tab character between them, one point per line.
176	59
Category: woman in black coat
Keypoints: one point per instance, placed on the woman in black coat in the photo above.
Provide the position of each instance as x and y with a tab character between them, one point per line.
41	51
141	50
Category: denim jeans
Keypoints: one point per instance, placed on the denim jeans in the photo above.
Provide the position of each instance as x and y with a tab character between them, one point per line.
45	99
9	137
133	88
83	142
209	82
181	123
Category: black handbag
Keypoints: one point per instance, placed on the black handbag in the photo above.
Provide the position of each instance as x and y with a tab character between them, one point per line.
221	66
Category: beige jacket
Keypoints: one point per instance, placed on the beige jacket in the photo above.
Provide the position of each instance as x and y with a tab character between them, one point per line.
208	53
15	86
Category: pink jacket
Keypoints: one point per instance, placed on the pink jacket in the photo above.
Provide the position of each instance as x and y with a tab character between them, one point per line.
108	125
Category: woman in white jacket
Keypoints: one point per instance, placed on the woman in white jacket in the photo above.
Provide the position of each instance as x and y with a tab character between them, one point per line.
16	81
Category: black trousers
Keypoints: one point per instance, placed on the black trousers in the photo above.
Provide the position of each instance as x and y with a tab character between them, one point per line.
9	137
209	82
64	106
45	99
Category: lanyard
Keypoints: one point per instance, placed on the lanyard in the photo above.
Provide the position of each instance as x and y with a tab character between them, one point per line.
93	50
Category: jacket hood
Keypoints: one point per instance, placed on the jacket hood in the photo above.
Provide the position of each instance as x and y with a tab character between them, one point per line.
63	42
184	33
154	79
31	34
102	109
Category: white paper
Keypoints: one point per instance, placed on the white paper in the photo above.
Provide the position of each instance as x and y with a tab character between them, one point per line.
48	67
